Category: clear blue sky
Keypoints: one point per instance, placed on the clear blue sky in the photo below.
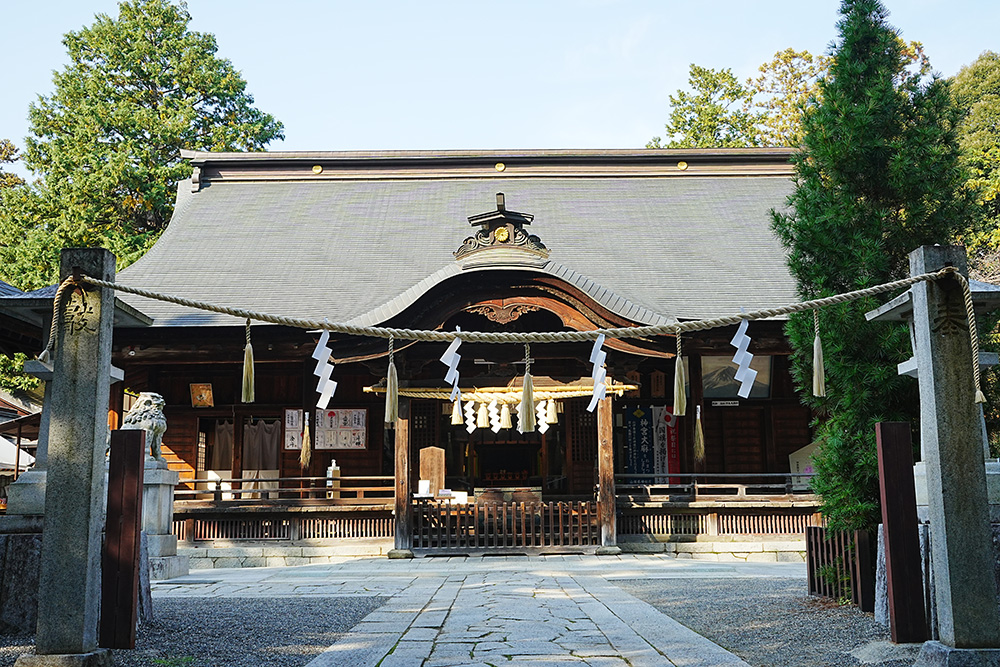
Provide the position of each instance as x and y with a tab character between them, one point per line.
468	74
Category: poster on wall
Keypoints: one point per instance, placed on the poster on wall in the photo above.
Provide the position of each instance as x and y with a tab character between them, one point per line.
639	454
666	443
343	428
293	429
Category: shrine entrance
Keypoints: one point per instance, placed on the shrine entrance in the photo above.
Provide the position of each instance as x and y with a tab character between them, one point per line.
477	486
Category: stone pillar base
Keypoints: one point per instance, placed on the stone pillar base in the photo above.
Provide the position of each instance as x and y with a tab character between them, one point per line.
99	658
27	494
936	654
168	567
612	550
399	553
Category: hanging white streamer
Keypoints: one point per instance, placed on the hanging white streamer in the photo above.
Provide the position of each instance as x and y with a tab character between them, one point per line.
540	411
470	416
494	414
600	374
324	370
450	358
744	374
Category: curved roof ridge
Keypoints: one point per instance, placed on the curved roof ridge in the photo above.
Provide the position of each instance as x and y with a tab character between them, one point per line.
605	297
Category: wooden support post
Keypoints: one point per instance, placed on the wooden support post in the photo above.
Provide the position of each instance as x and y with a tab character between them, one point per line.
606	480
120	569
68	589
907	622
403	514
961	539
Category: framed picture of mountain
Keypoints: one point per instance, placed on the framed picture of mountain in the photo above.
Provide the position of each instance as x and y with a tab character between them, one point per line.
718	377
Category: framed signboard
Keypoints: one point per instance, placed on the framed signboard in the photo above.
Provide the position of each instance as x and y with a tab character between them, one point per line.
341	428
293	429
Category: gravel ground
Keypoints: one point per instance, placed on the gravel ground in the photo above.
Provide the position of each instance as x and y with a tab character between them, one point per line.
769	622
232	632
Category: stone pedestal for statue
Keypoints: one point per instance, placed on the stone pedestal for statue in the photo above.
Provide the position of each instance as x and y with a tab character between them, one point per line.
26	495
157	521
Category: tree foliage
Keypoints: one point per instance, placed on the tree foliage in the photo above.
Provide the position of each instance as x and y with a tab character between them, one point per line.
976	88
106	143
781	91
877	175
713	115
9	155
762	111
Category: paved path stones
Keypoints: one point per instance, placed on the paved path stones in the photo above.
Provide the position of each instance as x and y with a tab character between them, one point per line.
473	612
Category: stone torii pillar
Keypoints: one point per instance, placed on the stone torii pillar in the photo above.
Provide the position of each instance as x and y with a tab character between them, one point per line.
961	536
69	577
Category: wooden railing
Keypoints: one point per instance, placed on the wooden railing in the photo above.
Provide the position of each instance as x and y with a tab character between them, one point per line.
353	490
505	524
664	523
839	566
716	486
310	528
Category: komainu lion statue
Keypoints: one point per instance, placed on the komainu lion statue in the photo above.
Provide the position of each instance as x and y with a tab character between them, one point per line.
147	415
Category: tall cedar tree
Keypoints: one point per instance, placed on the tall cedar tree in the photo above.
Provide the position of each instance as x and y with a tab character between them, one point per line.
106	144
878	175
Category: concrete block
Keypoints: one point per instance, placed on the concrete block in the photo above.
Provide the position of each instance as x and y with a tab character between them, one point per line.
254	562
236	552
280	551
705	556
291	561
936	654
695	547
168	567
792	545
641	547
202	564
275	561
19	566
732	557
99	658
193	553
227	562
764	557
318	560
314	552
790	556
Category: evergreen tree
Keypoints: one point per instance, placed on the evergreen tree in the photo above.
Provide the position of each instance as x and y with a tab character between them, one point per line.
878	175
106	143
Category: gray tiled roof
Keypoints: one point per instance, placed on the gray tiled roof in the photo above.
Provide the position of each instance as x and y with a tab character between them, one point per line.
647	246
8	290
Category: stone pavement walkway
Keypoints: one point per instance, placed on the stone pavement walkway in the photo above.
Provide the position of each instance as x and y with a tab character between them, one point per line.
479	611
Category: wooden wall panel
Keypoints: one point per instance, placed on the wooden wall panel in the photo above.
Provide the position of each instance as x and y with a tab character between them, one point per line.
743	438
790	426
180	442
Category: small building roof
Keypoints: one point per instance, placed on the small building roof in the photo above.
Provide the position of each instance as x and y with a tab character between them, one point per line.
653	235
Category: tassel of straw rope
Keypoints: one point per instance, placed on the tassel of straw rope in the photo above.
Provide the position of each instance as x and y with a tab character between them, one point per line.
819	371
699	435
248	380
305	456
526	416
680	395
391	388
